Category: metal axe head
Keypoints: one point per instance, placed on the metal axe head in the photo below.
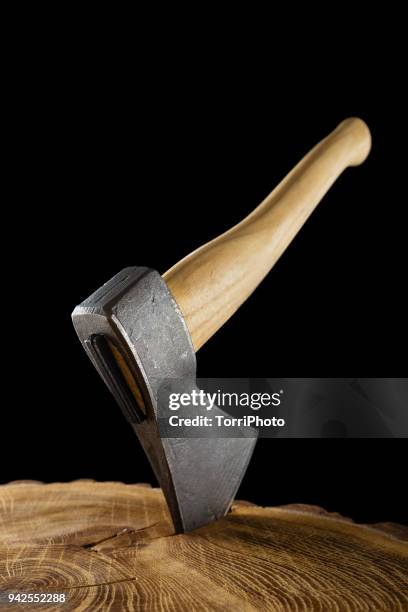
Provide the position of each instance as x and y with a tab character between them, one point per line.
135	335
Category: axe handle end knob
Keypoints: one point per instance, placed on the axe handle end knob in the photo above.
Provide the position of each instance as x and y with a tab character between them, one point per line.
211	283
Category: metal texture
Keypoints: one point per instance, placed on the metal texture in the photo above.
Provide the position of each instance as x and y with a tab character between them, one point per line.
136	313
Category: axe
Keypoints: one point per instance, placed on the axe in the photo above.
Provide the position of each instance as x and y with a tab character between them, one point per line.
140	328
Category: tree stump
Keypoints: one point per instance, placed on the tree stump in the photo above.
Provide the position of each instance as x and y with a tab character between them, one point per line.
110	546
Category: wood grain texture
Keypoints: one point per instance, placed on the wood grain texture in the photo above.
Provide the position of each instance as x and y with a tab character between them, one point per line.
213	281
109	546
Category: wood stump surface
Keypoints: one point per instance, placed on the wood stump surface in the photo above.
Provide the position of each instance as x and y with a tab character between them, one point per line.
110	546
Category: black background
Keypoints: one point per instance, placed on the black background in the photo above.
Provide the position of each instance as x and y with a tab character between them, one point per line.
120	159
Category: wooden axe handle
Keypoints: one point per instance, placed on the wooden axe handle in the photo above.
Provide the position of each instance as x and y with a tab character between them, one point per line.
214	280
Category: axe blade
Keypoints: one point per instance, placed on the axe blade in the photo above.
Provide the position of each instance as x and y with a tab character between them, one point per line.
134	333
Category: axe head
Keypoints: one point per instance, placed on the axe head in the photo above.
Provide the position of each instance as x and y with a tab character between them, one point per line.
134	334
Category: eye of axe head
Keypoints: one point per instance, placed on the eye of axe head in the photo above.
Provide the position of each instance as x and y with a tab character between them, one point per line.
135	335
